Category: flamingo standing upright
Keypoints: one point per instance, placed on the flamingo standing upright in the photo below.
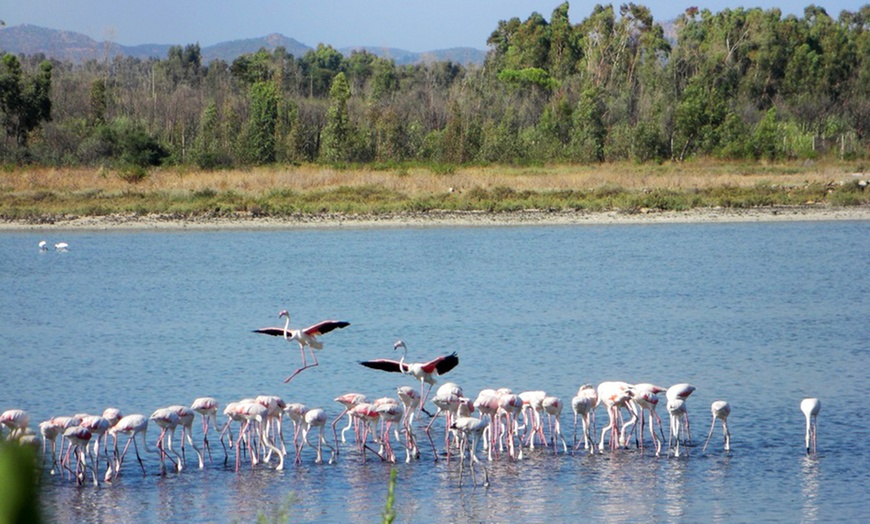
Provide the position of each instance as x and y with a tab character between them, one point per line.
720	410
425	372
304	337
811	408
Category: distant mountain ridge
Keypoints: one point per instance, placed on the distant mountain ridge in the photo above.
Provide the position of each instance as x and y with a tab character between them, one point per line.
75	47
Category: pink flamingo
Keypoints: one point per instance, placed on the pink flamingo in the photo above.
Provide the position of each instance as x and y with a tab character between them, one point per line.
255	415
615	395
304	337
720	410
207	408
274	419
677	411
16	420
79	438
811	408
134	426
487	404
425	372
682	392
583	405
533	407
646	398
186	416
368	416
349	401
510	406
553	408
296	412
316	418
98	427
167	419
411	401
470	427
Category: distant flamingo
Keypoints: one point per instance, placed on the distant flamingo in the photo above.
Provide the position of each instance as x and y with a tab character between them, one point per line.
720	410
811	408
425	372
304	337
583	405
682	392
61	246
43	245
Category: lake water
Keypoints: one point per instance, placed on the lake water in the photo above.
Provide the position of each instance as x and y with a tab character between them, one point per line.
761	315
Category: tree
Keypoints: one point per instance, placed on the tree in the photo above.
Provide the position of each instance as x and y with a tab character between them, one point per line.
259	135
25	102
338	133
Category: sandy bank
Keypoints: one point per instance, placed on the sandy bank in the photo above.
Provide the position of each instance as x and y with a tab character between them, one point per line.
443	219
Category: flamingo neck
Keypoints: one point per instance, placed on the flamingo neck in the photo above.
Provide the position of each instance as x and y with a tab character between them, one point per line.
402	367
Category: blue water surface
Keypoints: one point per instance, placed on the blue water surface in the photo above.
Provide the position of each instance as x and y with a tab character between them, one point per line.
759	314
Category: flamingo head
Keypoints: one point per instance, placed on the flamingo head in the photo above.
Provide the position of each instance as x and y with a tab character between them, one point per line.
399	344
284	313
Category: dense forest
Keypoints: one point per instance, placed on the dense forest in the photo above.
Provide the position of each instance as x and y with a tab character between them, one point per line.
737	84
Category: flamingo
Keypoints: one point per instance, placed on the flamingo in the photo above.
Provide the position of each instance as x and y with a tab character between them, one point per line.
676	410
43	245
134	426
425	372
296	412
646	398
487	404
583	405
168	420
255	413
682	391
304	337
207	407
811	407
411	401
186	417
316	418
98	426
720	410
61	246
79	438
16	420
349	401
533	406
615	395
553	408
474	428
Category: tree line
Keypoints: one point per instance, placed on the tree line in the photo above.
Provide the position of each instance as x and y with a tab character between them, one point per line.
734	84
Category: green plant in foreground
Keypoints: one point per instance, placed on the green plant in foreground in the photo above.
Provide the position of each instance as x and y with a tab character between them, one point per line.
280	512
20	501
389	510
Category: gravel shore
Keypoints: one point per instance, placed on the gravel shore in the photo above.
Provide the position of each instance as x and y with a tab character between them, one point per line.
441	219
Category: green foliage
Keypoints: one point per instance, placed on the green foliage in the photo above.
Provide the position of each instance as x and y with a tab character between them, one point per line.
18	483
389	515
25	101
258	139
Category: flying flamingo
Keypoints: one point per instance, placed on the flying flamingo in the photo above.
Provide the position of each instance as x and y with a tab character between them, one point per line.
425	372
583	405
682	392
720	410
304	337
811	407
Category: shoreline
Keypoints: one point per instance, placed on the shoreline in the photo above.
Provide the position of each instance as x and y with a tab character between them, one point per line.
156	222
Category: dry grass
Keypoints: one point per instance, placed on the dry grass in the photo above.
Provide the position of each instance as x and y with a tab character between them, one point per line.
415	181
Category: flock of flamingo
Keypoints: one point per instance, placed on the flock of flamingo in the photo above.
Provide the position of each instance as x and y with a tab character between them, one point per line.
506	423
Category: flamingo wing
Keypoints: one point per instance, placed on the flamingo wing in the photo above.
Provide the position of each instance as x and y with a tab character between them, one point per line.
274	331
384	364
442	364
324	327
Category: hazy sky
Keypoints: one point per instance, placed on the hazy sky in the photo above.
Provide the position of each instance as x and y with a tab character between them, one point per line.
405	24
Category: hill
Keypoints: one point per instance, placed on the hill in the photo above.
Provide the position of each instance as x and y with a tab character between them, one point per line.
75	47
